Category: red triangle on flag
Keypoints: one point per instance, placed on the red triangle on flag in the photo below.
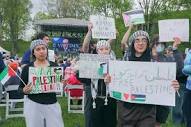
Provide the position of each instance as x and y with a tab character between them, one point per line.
11	72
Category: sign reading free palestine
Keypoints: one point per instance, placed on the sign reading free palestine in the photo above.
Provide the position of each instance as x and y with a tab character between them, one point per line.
142	82
45	80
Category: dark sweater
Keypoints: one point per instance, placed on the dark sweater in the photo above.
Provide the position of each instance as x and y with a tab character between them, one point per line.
101	90
42	98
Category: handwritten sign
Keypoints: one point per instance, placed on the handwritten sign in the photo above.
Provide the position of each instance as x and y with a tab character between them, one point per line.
142	82
45	80
133	17
103	27
168	29
93	66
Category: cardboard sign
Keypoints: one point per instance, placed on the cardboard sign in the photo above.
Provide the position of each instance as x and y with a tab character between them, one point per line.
168	29
133	17
93	66
45	80
142	82
103	27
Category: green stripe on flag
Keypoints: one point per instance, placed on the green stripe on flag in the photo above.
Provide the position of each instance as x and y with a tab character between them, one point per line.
117	95
4	76
139	100
4	73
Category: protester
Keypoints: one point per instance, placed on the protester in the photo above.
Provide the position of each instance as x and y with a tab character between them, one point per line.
40	109
187	94
177	113
98	116
26	59
158	55
101	108
139	115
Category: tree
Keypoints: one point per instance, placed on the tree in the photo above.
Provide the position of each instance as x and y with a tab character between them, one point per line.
155	8
113	8
15	15
68	8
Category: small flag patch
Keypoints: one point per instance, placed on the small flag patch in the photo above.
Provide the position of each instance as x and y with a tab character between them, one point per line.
138	97
116	95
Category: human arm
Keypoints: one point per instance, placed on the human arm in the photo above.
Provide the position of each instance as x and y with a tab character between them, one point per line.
85	45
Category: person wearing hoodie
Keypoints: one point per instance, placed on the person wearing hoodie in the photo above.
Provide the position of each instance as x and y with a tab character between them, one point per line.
187	93
138	115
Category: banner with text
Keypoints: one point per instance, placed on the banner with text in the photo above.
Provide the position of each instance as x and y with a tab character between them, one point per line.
103	27
93	66
46	80
168	29
143	82
133	17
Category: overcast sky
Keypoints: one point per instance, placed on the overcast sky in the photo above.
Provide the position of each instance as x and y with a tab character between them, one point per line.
37	7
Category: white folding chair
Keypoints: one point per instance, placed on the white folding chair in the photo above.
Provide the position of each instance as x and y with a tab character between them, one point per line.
75	108
3	99
11	109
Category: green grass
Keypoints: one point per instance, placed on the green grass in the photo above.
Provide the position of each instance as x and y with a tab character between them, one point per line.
70	119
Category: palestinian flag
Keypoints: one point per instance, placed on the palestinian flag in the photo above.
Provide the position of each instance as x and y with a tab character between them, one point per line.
138	98
6	74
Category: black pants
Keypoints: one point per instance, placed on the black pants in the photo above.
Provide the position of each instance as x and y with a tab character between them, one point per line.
104	115
88	106
162	113
136	115
187	107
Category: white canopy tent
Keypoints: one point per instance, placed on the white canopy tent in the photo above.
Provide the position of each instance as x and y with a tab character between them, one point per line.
3	50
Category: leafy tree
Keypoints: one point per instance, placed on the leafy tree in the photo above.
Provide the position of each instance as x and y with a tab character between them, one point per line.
68	8
15	15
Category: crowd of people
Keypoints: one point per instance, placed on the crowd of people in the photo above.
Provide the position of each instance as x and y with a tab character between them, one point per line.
100	109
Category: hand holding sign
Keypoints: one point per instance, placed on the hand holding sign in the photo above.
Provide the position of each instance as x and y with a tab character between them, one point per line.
107	79
28	88
177	42
175	85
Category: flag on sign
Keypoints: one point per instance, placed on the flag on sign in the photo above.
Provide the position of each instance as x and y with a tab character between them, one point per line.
138	97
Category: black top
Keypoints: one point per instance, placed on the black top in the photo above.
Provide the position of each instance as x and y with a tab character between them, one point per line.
101	88
42	98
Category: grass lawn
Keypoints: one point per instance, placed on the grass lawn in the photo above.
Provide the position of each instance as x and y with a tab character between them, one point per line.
70	120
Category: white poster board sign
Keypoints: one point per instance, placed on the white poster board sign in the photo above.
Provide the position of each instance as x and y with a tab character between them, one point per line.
51	55
168	29
93	66
143	82
103	27
133	17
46	80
